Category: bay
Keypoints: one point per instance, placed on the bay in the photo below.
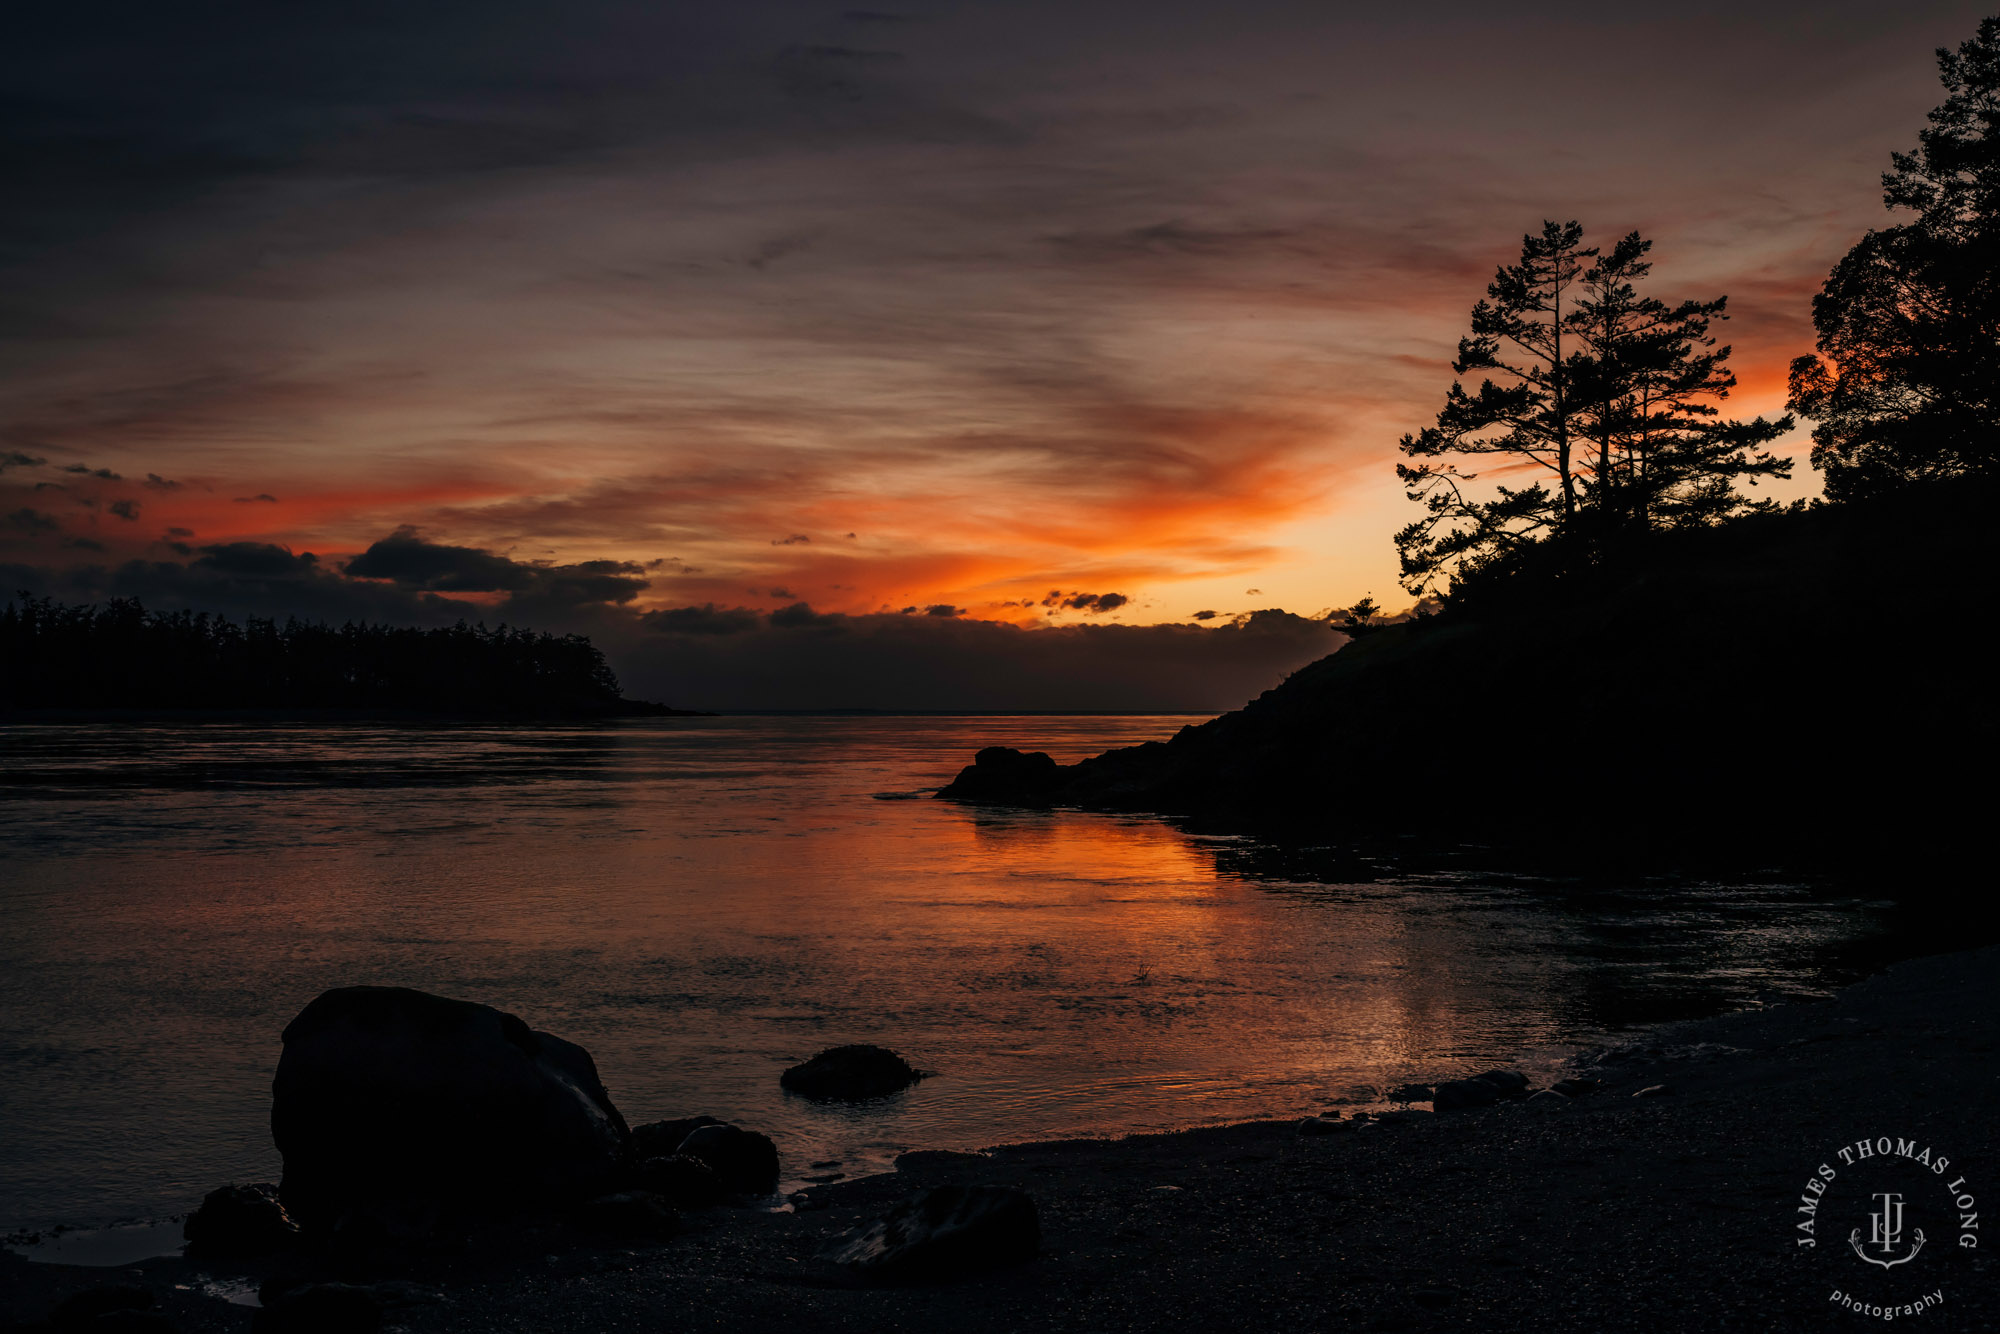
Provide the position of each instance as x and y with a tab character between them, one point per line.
702	902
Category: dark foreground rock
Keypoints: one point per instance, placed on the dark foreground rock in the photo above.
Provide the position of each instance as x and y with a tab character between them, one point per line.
852	1073
236	1222
744	1161
698	1161
945	1233
394	1107
663	1139
1481	1090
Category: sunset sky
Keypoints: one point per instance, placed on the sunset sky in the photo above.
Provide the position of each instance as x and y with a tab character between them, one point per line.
638	317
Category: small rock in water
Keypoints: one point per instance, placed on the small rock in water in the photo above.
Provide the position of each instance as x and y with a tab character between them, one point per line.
943	1233
240	1221
1411	1093
321	1308
744	1161
850	1074
1654	1091
1003	774
683	1181
1575	1088
1324	1125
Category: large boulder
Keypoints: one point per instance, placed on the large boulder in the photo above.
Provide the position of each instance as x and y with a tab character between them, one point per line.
944	1233
1007	776
390	1102
850	1074
239	1221
663	1139
744	1162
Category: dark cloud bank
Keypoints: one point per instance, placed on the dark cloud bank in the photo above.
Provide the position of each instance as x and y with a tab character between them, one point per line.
726	658
800	659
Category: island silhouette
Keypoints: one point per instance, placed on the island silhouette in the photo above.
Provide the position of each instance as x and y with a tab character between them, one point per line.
118	656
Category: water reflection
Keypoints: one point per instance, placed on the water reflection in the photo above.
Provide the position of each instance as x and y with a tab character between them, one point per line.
702	902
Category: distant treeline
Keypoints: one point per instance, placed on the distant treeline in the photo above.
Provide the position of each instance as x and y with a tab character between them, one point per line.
118	655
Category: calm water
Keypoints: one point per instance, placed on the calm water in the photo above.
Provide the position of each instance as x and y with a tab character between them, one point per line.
702	902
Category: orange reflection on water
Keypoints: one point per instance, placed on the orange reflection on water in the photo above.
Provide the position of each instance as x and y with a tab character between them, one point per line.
703	902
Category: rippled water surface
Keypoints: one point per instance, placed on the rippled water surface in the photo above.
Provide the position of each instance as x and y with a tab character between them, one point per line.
702	902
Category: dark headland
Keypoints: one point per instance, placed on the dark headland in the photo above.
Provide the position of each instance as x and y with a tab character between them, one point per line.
1810	686
1666	1194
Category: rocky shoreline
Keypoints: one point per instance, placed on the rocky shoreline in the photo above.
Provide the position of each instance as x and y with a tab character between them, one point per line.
1665	1191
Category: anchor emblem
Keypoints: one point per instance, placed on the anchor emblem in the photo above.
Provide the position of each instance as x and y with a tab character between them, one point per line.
1885	1229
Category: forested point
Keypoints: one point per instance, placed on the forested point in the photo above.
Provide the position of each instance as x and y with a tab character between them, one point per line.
1805	687
118	655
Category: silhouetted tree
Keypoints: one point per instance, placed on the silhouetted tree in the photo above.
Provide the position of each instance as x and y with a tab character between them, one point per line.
1356	620
1643	378
1517	332
1906	386
1601	387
